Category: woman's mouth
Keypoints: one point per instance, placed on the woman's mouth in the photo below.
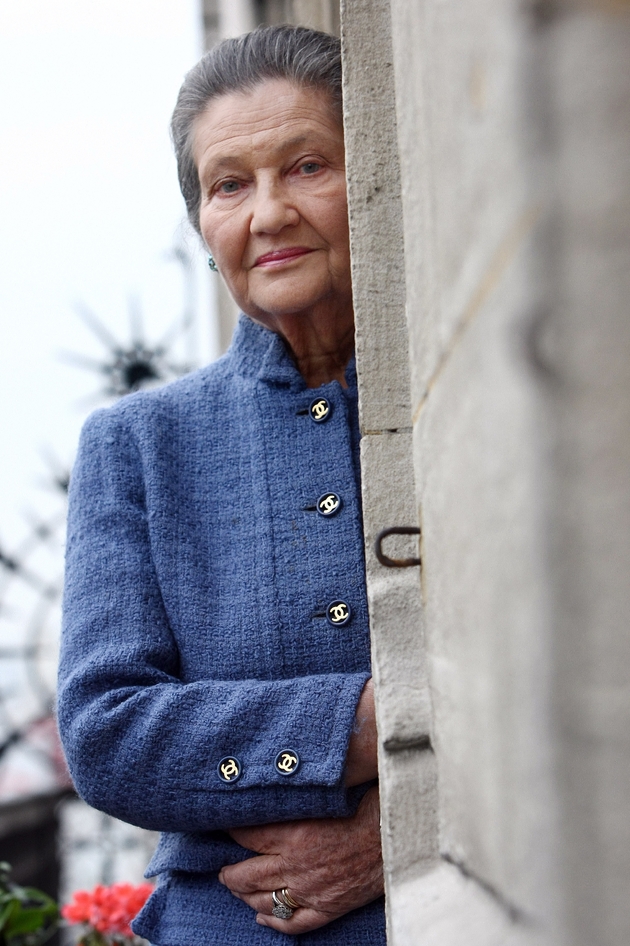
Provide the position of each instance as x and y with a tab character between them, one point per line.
278	257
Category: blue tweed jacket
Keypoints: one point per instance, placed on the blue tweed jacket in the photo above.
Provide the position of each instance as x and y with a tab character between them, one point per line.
206	625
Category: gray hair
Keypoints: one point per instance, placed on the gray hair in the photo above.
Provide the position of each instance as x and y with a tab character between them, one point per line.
304	56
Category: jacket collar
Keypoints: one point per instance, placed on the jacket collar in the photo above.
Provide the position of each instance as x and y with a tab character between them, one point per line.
260	354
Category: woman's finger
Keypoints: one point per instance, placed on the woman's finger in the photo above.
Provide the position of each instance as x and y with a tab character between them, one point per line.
261	901
257	873
303	921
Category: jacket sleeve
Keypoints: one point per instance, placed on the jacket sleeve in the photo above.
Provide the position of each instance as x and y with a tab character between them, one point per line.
141	744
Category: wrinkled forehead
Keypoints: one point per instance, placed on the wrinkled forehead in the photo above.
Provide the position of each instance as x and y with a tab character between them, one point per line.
276	114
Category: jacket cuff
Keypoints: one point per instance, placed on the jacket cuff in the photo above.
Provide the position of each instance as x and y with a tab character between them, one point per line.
305	748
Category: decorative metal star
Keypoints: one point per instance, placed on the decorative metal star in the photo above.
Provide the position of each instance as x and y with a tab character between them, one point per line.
136	364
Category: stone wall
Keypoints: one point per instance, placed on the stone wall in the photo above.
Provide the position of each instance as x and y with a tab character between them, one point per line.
488	171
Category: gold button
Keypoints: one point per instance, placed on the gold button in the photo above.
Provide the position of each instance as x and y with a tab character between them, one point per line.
320	410
328	504
229	769
338	613
287	762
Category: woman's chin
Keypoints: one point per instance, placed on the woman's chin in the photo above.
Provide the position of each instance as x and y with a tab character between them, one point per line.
282	302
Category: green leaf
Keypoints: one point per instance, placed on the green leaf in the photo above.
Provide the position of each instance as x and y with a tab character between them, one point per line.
30	926
40	900
12	906
28	917
26	921
33	938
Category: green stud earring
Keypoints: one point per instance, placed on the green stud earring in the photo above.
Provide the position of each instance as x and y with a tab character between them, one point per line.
211	263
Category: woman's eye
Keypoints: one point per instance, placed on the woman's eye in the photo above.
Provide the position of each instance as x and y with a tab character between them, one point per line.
229	187
311	167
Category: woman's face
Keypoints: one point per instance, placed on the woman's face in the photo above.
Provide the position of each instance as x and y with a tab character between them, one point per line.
273	198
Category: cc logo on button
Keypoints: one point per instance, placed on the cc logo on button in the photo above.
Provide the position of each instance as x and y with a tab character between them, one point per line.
328	504
338	613
229	769
319	409
287	762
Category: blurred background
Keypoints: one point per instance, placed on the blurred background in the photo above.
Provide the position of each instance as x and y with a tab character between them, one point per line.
488	149
104	289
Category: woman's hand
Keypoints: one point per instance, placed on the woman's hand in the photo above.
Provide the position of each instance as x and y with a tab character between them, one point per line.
329	866
361	761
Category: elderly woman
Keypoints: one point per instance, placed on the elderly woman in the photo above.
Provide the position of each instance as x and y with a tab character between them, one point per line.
215	670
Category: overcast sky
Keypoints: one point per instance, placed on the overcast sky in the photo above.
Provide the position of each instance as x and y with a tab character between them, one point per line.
89	210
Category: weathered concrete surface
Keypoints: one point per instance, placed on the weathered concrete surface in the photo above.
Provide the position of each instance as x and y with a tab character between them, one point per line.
481	485
587	50
464	197
394	594
469	218
444	906
408	815
512	190
407	762
376	234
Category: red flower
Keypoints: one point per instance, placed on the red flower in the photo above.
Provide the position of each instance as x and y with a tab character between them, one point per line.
79	910
109	910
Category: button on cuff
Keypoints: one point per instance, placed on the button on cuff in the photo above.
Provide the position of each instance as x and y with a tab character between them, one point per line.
229	769
287	762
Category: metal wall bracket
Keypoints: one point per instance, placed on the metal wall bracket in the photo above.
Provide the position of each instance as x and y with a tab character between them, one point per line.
395	562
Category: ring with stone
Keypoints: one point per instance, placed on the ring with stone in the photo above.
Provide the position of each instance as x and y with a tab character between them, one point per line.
281	910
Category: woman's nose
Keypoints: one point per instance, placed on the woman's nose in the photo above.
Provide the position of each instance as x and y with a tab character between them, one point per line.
272	210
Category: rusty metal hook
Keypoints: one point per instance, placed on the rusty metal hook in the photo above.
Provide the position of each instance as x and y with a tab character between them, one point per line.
395	562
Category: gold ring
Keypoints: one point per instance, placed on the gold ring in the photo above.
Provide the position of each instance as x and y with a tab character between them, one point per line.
280	910
288	899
